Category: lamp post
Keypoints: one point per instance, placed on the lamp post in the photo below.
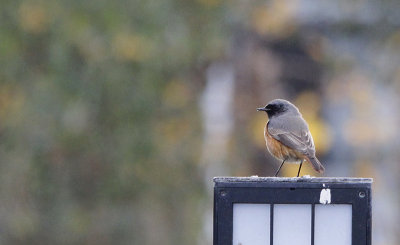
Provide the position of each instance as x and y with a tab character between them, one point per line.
288	211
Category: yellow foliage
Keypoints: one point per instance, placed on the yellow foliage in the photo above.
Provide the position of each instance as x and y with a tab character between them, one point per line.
275	19
131	47
33	17
257	125
11	102
322	135
176	94
309	104
173	130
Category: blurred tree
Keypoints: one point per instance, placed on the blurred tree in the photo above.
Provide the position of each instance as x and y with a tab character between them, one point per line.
100	130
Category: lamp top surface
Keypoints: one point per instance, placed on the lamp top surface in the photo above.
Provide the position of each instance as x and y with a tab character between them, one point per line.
306	181
294	179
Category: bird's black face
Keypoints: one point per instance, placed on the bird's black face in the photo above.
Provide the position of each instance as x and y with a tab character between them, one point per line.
274	109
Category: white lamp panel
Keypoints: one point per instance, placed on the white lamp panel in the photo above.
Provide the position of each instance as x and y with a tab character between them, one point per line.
292	224
251	224
333	224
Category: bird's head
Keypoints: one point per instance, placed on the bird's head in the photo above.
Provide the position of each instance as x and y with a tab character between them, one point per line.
279	107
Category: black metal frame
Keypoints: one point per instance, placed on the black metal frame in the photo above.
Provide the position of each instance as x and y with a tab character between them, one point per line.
230	190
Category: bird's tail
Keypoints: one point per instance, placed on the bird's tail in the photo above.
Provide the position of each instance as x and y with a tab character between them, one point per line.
316	164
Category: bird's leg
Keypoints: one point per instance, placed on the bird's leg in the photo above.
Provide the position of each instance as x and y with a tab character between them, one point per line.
277	172
301	164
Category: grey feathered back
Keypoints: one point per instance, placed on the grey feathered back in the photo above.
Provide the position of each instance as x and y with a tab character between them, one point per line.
292	130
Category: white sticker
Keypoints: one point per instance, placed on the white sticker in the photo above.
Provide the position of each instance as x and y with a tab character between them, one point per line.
325	196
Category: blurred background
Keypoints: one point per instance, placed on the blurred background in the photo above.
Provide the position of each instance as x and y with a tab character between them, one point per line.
115	115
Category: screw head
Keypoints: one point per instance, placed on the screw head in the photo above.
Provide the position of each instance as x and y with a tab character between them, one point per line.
222	193
361	194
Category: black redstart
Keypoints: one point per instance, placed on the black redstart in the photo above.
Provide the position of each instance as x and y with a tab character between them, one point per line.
287	135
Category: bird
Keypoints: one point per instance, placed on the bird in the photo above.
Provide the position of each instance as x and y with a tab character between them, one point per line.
287	135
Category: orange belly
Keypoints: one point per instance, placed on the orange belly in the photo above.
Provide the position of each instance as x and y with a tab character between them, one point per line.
279	150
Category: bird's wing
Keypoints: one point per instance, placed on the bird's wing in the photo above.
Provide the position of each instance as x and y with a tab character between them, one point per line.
293	132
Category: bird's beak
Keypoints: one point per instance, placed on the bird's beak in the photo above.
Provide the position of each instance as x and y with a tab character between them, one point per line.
262	109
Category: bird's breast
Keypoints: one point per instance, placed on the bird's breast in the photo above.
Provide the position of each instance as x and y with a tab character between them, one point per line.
279	150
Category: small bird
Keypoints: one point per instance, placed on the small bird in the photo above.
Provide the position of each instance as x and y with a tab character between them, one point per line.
287	135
